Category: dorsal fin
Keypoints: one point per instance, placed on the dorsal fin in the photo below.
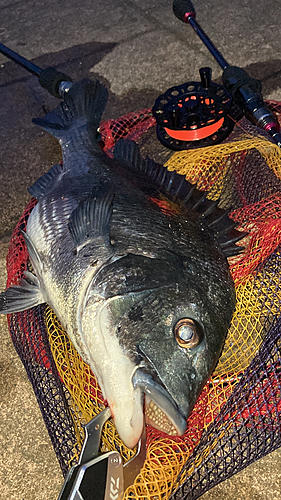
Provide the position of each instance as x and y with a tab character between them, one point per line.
175	185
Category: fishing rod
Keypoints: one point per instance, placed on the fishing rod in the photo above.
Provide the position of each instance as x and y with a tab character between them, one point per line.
54	81
245	90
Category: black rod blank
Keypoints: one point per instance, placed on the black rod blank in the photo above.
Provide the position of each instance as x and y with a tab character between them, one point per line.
185	12
49	78
207	42
29	66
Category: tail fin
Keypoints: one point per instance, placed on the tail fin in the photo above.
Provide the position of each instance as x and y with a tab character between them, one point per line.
83	104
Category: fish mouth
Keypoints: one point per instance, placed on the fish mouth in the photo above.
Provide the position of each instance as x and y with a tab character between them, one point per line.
161	411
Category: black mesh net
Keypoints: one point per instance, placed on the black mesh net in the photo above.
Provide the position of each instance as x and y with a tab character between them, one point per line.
237	417
247	428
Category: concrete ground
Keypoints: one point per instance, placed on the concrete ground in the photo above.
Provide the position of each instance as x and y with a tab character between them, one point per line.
138	49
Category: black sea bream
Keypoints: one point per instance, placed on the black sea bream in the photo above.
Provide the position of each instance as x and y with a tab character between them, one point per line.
133	260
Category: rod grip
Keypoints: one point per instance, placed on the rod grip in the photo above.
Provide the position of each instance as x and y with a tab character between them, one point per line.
183	9
50	79
247	92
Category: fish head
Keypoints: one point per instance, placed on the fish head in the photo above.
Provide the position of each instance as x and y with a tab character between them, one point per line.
155	346
179	349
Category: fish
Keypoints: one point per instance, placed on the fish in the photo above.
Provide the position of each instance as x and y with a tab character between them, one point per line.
132	258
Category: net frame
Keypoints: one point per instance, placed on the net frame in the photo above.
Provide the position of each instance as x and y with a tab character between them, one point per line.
204	456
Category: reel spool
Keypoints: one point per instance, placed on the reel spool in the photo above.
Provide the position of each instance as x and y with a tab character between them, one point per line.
195	114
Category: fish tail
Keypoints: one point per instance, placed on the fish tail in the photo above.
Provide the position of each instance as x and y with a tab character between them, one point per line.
83	105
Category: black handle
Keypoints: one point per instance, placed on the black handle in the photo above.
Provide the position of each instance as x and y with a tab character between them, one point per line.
247	93
182	9
100	479
50	79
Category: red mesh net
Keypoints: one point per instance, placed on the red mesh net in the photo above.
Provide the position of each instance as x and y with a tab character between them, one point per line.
237	417
263	222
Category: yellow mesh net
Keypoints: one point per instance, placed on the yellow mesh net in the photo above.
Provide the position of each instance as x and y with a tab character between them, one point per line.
207	166
258	299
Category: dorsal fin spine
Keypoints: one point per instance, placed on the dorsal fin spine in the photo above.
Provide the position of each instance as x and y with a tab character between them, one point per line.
219	219
232	251
180	186
200	201
128	152
210	209
233	240
189	194
226	229
170	183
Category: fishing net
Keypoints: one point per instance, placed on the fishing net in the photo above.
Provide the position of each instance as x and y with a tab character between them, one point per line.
236	419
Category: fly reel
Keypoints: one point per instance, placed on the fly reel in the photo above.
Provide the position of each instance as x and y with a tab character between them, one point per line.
195	114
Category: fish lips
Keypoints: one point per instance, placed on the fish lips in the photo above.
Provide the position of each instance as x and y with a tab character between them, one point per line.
159	395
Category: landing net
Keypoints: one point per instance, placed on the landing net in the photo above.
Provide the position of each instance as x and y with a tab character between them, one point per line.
237	418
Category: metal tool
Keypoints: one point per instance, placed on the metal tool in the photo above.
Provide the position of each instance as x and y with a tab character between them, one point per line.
101	476
246	90
54	81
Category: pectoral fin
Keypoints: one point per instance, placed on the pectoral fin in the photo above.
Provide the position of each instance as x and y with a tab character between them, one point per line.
46	183
23	296
91	219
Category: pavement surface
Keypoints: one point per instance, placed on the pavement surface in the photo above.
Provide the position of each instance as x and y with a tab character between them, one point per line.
138	49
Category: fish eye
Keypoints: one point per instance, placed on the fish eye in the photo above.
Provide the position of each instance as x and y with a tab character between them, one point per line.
187	333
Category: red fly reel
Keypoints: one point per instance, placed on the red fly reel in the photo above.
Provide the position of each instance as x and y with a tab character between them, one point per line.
195	114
